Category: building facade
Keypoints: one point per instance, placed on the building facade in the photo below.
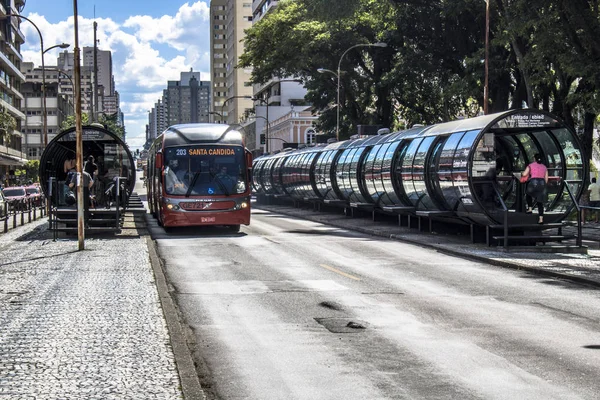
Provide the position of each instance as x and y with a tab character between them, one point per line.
11	98
184	101
59	105
231	90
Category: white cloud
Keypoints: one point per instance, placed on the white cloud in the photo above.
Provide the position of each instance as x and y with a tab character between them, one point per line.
144	57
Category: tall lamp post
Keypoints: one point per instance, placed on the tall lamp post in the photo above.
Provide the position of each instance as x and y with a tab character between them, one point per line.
487	56
229	99
216	113
62	46
380	44
266	119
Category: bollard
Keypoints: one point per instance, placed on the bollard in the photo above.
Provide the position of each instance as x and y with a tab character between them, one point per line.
29	210
14	218
22	217
34	213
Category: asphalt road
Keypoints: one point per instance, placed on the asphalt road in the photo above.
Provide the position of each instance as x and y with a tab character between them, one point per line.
292	309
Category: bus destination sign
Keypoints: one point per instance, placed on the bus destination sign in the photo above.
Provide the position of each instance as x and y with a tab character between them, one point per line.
205	151
527	121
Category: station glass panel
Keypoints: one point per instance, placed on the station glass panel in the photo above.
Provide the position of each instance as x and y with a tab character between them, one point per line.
574	164
407	171
418	172
554	164
278	165
397	176
389	197
378	170
323	175
449	191
460	164
354	176
483	171
342	172
369	172
435	196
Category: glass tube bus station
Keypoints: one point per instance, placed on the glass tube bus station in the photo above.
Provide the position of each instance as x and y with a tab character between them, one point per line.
464	171
113	159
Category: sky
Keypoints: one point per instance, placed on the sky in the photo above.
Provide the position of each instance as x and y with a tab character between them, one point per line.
152	42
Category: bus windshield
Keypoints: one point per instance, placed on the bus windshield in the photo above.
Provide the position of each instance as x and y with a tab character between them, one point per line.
205	170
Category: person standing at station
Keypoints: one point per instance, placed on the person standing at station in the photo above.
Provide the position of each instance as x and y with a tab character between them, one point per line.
594	191
536	186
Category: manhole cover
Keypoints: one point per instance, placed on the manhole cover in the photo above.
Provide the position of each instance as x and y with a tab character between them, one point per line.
343	325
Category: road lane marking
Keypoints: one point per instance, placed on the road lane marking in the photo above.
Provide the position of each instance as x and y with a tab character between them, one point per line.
337	271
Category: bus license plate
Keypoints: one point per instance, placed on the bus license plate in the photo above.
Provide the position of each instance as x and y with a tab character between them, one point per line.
207	219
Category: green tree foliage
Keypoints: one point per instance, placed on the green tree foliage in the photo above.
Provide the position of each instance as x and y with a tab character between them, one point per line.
29	172
109	122
8	124
69	122
544	53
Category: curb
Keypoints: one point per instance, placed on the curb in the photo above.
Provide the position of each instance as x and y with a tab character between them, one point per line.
190	385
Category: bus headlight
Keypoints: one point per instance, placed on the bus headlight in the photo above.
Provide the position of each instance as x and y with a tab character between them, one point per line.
173	207
244	205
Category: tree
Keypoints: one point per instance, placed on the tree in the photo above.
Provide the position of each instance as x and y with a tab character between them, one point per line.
69	122
8	124
302	36
110	122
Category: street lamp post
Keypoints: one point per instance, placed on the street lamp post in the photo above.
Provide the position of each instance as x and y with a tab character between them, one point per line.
62	46
216	113
227	100
487	56
266	119
321	70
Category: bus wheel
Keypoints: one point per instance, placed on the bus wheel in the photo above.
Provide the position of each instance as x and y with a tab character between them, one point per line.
234	228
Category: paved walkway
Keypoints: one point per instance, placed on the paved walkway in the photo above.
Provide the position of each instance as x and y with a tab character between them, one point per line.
577	267
82	324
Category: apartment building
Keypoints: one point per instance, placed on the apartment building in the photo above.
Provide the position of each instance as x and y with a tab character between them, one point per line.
184	101
107	100
11	98
59	105
231	90
187	100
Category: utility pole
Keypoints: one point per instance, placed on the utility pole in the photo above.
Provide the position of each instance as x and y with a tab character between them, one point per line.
95	94
79	134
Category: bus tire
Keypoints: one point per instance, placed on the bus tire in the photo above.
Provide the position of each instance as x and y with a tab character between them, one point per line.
234	228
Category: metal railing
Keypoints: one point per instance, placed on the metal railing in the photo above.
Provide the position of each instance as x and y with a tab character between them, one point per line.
14	210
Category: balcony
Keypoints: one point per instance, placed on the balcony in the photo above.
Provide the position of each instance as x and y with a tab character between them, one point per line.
13	110
13	50
14	70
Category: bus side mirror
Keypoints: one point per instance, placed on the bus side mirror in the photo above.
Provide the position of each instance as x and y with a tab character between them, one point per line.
158	161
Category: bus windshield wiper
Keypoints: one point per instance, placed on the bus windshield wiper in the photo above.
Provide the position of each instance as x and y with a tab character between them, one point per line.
194	179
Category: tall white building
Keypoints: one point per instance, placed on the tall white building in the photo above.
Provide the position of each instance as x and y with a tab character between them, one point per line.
231	90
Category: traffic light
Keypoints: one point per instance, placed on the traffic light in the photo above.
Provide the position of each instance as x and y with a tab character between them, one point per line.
262	138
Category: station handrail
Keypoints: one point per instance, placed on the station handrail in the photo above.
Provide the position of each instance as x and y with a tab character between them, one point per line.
578	207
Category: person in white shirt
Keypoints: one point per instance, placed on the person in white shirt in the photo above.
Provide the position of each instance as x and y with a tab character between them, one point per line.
594	190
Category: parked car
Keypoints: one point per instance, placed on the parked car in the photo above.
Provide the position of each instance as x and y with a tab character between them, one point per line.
16	196
35	195
3	205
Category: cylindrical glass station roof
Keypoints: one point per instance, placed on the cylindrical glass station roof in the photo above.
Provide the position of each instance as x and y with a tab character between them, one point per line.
461	167
109	151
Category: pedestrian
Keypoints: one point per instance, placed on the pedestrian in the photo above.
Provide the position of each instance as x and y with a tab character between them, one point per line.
90	167
88	182
537	174
594	191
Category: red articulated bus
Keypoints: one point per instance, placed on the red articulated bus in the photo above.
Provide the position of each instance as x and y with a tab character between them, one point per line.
199	174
